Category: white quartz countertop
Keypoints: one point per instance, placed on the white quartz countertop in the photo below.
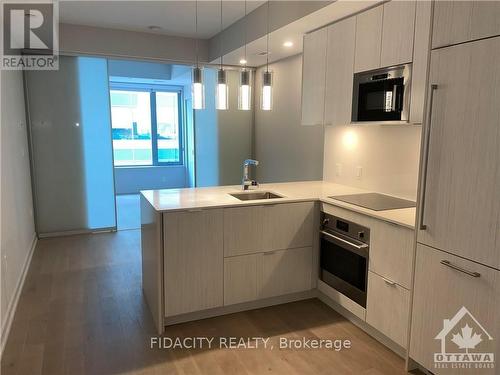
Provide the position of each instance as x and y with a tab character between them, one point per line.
167	200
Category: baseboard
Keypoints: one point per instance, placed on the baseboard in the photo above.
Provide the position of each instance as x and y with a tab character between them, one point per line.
11	309
245	306
396	348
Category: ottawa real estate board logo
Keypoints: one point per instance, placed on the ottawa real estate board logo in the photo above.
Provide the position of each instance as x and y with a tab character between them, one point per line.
465	344
30	35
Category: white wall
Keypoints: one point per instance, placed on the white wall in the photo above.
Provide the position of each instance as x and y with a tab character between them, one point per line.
88	40
17	224
286	150
388	155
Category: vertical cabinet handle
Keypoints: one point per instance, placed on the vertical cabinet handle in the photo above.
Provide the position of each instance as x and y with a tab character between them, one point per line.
422	226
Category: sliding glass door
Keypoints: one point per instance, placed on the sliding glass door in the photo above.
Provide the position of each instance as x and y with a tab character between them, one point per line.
71	151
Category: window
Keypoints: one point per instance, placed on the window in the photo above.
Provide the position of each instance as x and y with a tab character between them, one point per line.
146	125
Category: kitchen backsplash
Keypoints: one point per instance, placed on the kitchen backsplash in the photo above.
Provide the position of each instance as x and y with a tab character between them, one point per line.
382	158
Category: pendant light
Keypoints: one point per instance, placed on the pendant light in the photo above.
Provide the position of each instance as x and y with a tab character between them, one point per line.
221	90
198	89
245	90
266	102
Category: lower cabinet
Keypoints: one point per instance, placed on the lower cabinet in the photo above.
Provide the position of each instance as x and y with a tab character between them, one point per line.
450	293
286	271
193	254
263	275
387	309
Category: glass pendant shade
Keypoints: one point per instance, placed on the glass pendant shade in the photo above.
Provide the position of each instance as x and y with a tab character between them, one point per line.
267	91
245	91
221	91
198	89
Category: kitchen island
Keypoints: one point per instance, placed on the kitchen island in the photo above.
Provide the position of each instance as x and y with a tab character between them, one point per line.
207	253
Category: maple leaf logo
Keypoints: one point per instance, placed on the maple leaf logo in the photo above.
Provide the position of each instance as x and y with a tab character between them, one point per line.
466	340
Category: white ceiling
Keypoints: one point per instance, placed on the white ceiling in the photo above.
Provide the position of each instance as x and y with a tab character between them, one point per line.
175	18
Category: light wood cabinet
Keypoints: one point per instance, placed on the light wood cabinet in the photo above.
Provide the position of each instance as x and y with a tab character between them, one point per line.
313	77
193	260
391	252
397	33
462	21
242	275
388	307
243	230
270	274
339	72
420	66
461	207
286	271
368	39
440	292
288	226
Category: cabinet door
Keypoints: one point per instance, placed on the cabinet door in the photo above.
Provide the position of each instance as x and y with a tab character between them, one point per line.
193	258
339	72
397	32
286	271
388	307
313	77
391	251
462	21
461	205
368	39
243	230
439	293
421	55
288	225
241	278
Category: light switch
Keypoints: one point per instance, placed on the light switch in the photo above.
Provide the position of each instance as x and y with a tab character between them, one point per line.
359	172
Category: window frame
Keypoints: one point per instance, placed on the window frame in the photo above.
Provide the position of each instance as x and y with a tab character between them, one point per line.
153	89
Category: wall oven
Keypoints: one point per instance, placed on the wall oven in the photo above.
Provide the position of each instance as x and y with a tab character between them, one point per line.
344	257
382	95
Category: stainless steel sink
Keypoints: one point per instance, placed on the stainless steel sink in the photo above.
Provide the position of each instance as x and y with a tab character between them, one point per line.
255	195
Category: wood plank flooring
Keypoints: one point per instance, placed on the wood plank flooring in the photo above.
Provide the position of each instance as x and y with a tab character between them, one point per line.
82	312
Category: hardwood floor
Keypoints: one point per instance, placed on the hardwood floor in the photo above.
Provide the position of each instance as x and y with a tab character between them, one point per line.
82	312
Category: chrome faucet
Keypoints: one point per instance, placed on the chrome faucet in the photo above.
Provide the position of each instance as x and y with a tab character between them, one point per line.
246	183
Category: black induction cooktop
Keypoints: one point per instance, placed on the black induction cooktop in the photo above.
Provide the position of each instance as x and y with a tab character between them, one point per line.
375	201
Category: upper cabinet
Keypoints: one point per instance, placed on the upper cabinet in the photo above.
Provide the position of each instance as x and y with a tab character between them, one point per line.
313	77
339	72
368	39
384	36
462	21
379	37
397	33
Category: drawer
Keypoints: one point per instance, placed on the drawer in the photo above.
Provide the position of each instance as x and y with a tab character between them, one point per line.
387	308
441	292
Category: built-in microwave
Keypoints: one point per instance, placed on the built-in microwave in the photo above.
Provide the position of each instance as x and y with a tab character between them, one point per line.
382	95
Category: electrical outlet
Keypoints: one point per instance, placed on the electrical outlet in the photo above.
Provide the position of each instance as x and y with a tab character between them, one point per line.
338	169
359	172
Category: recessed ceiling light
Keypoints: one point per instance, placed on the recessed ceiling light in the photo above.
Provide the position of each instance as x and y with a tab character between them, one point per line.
288	44
154	27
243	61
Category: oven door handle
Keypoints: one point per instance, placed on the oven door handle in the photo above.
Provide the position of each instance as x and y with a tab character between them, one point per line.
358	249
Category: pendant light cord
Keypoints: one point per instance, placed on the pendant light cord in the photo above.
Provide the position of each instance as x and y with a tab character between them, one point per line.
246	22
221	36
267	39
196	30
